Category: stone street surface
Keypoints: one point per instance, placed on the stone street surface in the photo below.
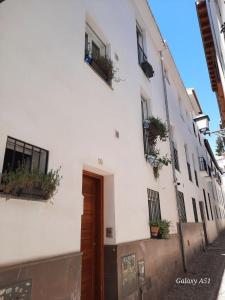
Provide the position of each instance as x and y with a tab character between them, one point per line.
205	278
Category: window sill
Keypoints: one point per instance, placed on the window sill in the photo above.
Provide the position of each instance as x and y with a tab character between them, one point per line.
109	84
24	195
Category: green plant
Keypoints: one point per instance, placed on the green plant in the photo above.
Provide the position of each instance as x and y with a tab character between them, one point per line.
22	180
106	66
219	146
154	223
156	130
164	229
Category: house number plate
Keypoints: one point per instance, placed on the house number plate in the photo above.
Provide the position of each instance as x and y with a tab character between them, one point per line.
17	291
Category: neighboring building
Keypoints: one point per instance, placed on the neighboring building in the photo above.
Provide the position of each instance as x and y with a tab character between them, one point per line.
61	108
211	14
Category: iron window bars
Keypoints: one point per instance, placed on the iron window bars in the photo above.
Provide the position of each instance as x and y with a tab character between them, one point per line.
154	205
19	153
181	207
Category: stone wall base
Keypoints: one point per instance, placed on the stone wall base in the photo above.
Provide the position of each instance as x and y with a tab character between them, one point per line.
46	279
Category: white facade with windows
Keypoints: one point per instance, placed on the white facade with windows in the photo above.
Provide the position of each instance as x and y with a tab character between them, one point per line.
55	98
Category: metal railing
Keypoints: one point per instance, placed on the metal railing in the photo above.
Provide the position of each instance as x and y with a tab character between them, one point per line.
154	205
181	208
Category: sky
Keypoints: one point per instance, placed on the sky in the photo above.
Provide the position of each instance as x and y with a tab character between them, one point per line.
178	23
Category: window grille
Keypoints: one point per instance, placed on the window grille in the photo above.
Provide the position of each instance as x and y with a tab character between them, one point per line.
195	210
153	205
181	207
19	154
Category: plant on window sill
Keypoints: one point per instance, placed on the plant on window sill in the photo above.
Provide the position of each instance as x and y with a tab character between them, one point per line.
160	229
103	65
23	182
155	130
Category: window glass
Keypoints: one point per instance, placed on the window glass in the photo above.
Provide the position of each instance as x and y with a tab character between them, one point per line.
18	153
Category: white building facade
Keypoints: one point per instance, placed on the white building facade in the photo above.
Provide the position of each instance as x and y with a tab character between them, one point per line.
92	240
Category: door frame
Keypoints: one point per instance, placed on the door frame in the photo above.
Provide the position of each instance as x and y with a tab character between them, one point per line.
100	233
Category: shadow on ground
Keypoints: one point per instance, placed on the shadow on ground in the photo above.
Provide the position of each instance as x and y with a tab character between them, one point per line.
206	270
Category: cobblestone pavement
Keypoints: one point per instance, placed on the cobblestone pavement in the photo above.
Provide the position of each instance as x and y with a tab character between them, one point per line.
206	270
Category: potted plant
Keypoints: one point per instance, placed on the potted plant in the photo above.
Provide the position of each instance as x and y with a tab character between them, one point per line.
154	228
25	182
155	130
164	229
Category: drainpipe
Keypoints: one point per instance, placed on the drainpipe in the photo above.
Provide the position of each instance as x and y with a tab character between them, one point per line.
172	158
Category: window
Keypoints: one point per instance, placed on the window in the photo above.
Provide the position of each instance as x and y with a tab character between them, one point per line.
176	160
195	210
210	206
195	172
144	110
19	153
181	207
188	163
140	44
153	205
194	129
95	54
196	178
142	58
93	44
202	164
206	206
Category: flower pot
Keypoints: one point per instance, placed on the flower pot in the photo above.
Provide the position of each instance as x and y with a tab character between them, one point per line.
154	231
151	159
146	124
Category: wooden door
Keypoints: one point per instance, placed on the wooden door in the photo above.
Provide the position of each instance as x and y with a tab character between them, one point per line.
92	238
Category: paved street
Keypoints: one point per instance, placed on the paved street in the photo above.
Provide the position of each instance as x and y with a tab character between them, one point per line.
204	276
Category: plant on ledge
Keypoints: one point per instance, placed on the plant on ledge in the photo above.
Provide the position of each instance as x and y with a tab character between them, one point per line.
160	229
103	65
25	182
155	130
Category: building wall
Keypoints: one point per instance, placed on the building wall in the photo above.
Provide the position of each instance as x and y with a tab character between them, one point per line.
54	100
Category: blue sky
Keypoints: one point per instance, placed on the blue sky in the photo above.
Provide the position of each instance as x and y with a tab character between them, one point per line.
178	22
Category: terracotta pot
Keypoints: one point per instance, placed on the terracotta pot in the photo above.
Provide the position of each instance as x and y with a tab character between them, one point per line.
154	231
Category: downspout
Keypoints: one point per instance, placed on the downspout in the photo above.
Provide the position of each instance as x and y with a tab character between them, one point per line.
172	160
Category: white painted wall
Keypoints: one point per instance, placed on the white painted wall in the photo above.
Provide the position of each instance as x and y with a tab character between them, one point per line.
51	98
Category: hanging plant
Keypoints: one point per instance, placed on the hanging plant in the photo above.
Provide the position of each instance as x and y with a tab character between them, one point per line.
155	130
